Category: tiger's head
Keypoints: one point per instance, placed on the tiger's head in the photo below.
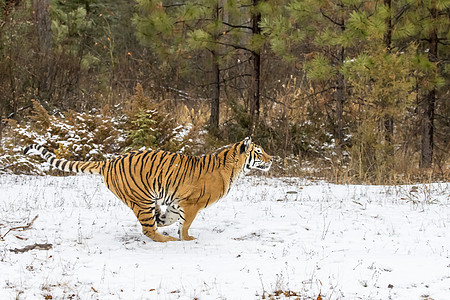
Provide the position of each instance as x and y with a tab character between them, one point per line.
255	156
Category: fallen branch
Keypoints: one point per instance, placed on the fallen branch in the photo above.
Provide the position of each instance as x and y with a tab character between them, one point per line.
19	227
31	247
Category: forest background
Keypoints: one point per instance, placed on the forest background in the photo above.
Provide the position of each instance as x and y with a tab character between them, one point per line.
346	90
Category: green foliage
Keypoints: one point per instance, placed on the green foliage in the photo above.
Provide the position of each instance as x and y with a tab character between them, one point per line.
149	124
199	39
282	35
68	24
383	90
374	60
320	68
383	78
160	29
144	134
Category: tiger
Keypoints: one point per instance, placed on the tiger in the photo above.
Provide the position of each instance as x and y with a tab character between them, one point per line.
147	179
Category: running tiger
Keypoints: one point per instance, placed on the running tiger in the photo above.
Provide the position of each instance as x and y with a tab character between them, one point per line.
145	180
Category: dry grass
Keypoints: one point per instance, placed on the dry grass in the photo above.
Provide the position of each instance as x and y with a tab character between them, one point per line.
318	160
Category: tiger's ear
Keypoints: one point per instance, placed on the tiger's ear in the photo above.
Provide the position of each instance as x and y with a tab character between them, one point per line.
245	144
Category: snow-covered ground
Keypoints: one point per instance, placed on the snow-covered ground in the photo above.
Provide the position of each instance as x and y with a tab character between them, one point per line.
267	235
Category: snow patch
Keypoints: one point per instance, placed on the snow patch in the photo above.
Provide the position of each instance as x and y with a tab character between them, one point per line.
342	241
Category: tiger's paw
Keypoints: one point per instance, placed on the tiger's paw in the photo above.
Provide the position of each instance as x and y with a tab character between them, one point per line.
158	237
169	239
188	238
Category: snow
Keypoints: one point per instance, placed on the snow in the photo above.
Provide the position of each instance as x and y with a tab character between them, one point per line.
342	241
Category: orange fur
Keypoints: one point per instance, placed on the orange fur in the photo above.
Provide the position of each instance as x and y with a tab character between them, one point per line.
144	180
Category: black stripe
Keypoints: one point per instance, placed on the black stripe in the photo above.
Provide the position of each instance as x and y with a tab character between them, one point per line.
144	159
121	172
163	155
182	164
84	166
130	160
207	202
114	176
225	157
154	158
146	219
174	156
214	159
186	169
209	162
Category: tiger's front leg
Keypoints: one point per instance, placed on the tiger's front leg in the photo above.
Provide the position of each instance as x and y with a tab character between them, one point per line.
189	212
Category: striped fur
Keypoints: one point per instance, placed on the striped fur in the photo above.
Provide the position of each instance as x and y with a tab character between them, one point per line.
145	180
65	165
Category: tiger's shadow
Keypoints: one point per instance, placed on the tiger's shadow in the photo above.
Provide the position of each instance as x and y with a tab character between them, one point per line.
132	234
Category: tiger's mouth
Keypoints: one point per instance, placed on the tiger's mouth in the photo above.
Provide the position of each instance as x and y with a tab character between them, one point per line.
264	166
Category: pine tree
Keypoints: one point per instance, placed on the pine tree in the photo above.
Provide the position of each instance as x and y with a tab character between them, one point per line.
399	34
382	85
179	31
324	24
433	25
230	30
382	91
423	25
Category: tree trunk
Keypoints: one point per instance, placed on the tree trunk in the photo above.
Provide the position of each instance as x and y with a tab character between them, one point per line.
429	100
41	10
388	128
215	67
256	74
1	128
215	95
428	129
340	98
388	119
388	21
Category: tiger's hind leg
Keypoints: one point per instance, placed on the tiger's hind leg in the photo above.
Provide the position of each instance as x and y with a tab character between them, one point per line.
147	217
143	206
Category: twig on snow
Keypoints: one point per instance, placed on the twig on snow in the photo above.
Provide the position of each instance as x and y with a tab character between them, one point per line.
31	247
19	227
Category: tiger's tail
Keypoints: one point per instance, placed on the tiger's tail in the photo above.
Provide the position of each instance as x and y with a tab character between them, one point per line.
95	167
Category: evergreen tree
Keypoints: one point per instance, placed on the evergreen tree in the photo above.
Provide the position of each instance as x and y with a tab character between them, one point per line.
422	25
229	30
324	24
178	32
382	81
432	20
